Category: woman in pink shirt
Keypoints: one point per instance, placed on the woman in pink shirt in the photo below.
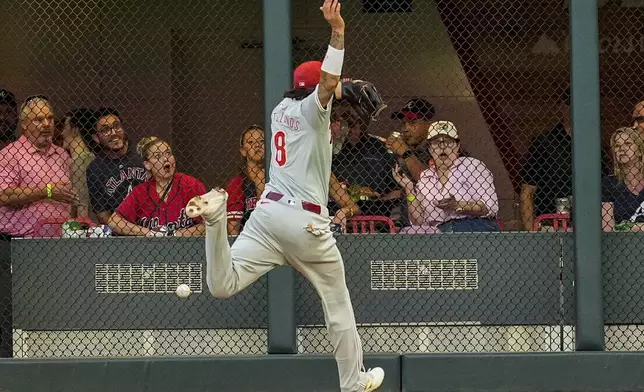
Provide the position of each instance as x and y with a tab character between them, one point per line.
455	194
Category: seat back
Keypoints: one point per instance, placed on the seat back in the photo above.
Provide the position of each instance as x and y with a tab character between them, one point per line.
367	224
559	221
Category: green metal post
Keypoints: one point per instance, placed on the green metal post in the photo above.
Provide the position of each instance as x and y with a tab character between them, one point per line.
282	328
584	41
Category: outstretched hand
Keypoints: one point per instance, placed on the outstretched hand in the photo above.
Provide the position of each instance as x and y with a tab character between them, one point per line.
331	11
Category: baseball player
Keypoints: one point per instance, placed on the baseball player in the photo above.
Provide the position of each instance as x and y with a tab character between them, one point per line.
291	223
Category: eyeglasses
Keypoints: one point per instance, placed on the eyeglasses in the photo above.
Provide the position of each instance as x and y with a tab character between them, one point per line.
107	129
638	119
445	142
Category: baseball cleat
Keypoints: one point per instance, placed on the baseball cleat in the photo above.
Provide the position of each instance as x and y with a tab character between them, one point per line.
211	205
372	379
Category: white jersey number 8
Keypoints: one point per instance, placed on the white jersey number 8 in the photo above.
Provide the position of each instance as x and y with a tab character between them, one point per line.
280	147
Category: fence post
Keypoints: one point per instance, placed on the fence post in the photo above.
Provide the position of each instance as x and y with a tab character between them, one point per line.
584	42
282	329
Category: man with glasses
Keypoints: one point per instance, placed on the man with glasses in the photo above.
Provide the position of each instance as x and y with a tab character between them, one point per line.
117	168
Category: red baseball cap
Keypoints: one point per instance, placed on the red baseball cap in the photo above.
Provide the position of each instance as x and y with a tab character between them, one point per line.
307	74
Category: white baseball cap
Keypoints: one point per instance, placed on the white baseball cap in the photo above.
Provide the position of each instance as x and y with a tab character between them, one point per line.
446	128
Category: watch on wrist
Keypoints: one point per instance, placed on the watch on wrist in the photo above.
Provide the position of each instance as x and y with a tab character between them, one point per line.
406	154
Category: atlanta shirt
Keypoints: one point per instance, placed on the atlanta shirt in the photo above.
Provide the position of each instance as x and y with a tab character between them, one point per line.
144	207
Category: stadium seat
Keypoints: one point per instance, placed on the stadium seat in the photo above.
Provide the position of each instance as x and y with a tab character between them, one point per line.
362	220
557	220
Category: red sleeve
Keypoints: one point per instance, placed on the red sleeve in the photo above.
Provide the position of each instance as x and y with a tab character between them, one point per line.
235	204
195	188
127	208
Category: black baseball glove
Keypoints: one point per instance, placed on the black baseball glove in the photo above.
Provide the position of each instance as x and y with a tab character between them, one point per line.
363	97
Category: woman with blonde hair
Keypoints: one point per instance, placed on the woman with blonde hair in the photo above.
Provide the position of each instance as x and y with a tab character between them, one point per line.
623	191
157	206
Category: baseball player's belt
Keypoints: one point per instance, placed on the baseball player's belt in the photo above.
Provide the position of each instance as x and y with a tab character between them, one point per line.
312	207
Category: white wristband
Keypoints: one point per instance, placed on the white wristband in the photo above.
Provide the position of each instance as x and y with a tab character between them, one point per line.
332	63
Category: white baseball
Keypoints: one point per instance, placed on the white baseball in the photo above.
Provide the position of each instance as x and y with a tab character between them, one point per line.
183	290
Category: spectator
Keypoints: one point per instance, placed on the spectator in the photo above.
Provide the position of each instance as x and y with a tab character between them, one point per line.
117	168
76	138
246	188
411	149
623	191
29	167
157	206
35	174
341	113
364	163
455	194
547	170
638	117
8	118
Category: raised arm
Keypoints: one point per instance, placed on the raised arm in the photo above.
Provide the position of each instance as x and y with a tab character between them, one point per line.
415	210
332	64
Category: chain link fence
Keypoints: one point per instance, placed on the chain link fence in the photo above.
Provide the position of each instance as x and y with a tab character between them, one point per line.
143	105
621	51
479	99
464	239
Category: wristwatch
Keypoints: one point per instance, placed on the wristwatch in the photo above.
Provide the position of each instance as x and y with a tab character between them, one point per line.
406	154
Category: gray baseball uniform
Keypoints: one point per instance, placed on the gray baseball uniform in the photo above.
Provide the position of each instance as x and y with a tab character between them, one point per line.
276	233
